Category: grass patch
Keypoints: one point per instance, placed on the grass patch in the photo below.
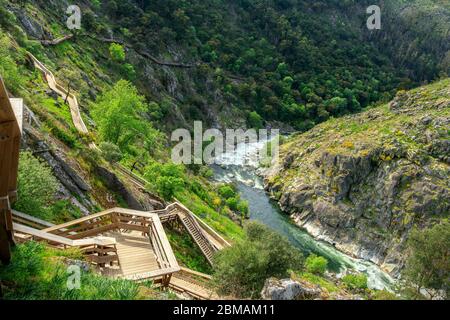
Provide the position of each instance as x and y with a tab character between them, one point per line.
316	279
188	254
219	222
37	273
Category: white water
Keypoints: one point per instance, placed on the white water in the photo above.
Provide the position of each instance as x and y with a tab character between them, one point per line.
240	168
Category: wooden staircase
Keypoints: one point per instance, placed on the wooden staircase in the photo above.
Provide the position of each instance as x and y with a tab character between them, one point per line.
197	285
197	234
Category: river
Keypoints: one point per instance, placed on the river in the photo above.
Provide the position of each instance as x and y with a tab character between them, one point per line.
240	168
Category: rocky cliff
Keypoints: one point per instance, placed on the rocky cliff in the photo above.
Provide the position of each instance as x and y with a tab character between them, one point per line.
362	182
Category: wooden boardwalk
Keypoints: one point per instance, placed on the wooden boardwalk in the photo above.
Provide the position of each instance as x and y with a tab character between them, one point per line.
136	255
193	283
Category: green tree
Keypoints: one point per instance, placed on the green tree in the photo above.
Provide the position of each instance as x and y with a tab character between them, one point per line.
242	269
227	191
117	114
255	120
242	207
232	203
168	178
36	186
428	264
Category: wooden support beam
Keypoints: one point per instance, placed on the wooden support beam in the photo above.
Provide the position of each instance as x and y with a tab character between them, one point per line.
9	161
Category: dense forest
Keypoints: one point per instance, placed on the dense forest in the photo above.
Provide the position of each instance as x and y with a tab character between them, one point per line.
294	61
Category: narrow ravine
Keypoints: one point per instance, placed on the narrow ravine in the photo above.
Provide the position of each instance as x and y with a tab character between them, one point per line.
241	168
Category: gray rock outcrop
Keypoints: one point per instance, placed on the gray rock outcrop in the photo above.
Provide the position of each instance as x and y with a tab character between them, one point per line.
364	181
287	289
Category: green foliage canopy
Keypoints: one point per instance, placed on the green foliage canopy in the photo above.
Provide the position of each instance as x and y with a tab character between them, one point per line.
428	265
118	114
242	269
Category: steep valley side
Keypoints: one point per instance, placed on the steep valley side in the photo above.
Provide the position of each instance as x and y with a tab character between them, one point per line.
363	182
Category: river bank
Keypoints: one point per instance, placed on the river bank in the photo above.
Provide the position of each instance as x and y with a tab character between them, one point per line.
244	174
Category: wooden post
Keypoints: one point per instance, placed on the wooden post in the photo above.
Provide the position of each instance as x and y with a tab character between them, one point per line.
9	161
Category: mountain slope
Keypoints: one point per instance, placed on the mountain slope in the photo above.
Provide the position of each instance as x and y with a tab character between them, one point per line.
364	181
292	61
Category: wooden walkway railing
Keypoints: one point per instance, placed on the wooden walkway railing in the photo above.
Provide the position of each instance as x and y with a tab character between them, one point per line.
10	135
195	284
98	250
83	233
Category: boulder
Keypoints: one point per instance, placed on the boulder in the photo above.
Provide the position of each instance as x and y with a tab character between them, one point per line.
288	289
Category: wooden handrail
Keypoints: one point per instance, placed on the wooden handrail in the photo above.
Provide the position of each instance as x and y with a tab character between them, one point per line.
100	241
204	226
25	219
196	273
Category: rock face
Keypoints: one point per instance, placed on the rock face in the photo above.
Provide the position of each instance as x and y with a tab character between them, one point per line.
73	186
114	184
364	181
287	289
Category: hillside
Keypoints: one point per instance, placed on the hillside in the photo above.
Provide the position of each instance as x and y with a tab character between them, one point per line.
291	61
101	102
363	182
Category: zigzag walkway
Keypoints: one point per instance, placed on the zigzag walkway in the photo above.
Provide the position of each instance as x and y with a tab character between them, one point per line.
207	241
124	243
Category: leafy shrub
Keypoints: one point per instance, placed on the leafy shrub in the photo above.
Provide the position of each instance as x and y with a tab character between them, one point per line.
227	191
242	207
117	52
232	203
428	264
168	178
36	186
129	71
355	281
8	67
255	120
111	152
167	186
91	155
316	265
242	269
383	295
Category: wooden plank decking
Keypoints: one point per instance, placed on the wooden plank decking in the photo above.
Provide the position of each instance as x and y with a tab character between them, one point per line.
136	255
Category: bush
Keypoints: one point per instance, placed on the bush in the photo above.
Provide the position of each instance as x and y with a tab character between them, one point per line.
255	120
242	269
428	264
316	265
167	186
111	152
227	191
8	67
232	203
355	281
117	52
169	178
383	295
36	186
129	71
242	207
